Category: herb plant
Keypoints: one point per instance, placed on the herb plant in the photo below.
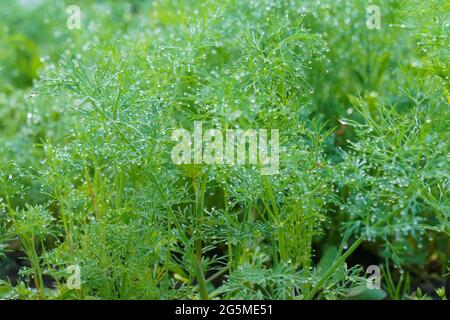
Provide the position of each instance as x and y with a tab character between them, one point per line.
87	178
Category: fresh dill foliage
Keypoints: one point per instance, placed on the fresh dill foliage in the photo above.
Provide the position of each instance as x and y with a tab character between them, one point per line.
86	175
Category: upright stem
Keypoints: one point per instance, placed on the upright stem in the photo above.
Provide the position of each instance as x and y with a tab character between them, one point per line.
31	251
277	222
333	268
199	208
241	244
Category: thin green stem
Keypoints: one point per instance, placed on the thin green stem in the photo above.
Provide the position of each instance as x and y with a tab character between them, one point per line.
277	220
217	274
199	208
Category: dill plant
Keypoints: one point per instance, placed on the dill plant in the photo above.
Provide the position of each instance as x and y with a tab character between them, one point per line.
364	159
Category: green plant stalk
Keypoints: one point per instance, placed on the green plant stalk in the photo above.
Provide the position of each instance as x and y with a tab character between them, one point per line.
229	245
240	245
30	249
119	180
276	216
217	274
166	200
199	207
333	268
230	255
172	216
